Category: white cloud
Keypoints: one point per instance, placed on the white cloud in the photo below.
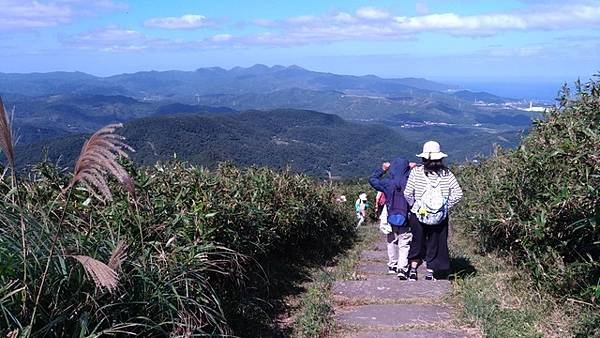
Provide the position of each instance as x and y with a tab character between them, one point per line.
548	18
377	24
111	39
188	21
303	19
30	14
264	22
94	4
221	37
372	13
344	17
118	39
366	24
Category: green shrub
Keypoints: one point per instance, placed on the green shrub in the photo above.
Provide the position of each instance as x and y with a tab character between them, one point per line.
539	205
200	245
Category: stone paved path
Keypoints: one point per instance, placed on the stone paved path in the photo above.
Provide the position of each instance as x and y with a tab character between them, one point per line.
381	306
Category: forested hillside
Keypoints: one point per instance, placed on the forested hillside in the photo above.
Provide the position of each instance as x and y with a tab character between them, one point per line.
307	141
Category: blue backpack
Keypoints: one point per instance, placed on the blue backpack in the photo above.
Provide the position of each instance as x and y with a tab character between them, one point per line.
395	218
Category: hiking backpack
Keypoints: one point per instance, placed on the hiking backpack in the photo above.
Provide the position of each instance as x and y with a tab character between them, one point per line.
394	219
433	206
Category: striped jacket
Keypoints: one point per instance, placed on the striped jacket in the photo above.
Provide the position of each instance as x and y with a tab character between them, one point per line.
417	182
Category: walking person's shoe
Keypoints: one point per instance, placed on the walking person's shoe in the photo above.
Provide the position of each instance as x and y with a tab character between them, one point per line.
412	275
429	275
392	270
403	274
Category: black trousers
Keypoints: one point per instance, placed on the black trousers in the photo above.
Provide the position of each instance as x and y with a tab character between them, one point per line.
429	243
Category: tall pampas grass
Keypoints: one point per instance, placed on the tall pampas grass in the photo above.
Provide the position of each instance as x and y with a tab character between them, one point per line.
118	255
98	159
6	138
105	276
102	275
7	146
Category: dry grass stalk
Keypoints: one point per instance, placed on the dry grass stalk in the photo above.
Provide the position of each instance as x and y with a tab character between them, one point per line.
118	255
102	275
98	158
6	136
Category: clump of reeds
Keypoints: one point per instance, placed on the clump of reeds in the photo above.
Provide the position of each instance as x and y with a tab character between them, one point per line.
195	269
98	158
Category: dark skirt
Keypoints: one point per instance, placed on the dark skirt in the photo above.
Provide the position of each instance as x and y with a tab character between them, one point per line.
429	243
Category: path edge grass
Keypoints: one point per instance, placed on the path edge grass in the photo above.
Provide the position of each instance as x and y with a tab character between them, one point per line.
503	301
314	316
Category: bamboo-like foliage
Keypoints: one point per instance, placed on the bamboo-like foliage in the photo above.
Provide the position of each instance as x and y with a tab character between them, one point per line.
197	268
539	205
6	136
98	158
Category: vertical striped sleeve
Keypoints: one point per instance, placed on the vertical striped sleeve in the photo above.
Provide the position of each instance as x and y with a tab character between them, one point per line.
409	191
456	192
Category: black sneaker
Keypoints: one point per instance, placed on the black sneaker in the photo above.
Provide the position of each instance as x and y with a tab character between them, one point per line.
412	275
402	274
392	270
429	275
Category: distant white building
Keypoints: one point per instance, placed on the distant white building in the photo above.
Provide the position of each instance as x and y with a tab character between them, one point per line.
533	108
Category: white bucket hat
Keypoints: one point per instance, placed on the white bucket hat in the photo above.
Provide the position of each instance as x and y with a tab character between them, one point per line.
432	151
363	196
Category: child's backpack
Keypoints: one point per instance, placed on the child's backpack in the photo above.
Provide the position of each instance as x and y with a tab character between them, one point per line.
395	218
433	206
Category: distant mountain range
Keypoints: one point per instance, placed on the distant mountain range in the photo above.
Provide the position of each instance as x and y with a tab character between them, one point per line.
205	81
79	102
62	105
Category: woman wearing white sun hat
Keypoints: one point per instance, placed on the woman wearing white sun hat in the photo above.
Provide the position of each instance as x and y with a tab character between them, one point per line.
431	190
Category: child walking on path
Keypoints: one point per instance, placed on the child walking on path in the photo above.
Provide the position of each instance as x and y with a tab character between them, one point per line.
360	206
431	190
396	210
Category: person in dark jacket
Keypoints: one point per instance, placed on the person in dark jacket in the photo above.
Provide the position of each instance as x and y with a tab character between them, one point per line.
393	186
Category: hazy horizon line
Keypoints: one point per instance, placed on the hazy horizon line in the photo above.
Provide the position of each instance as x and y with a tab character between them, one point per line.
442	79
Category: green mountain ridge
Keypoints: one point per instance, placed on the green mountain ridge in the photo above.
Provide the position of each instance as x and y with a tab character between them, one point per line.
307	141
255	79
61	105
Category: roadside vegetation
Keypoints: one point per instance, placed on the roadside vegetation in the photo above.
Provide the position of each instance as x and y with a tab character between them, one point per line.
170	249
528	227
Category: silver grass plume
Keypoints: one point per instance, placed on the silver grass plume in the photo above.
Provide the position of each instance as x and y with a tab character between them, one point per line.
102	275
6	137
98	158
118	255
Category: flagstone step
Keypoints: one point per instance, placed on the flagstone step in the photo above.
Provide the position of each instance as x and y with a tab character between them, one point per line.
412	334
375	256
381	268
394	316
389	291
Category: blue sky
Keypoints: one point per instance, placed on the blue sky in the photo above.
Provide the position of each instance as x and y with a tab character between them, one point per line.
468	40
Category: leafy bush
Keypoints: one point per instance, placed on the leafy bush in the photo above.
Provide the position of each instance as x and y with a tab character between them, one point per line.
539	205
197	242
